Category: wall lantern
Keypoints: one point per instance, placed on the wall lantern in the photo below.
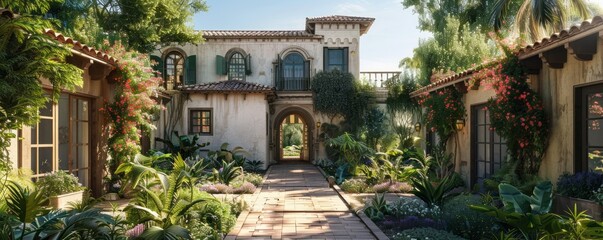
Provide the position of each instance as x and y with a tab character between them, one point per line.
418	127
460	124
318	124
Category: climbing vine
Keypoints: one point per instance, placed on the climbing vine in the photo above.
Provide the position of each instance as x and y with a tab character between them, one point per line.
442	109
516	114
133	106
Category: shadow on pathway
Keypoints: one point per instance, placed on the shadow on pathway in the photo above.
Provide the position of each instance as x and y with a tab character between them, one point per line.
296	202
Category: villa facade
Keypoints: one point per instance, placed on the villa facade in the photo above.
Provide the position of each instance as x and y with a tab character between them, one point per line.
240	87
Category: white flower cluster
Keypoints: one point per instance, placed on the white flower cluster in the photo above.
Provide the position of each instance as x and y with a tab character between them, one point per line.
405	207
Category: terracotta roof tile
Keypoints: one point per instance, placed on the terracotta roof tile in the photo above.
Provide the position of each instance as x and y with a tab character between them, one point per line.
338	18
527	50
228	86
365	22
258	34
560	36
90	51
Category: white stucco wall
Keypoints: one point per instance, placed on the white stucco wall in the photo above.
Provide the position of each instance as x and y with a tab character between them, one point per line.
239	120
265	51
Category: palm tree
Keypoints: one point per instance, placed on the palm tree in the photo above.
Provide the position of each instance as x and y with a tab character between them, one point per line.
536	18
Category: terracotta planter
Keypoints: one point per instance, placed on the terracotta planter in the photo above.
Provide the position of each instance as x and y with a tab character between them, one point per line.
62	201
562	203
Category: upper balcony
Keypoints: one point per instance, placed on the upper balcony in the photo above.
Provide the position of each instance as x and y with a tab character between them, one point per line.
379	79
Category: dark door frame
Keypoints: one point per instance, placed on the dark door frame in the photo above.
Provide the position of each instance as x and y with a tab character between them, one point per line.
580	131
307	118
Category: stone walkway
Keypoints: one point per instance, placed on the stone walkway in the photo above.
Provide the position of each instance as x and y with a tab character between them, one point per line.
296	202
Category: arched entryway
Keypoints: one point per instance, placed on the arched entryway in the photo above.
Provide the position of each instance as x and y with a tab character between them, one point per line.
294	128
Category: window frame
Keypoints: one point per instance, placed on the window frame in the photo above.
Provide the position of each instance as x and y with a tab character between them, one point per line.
345	60
191	125
580	127
241	67
489	140
166	65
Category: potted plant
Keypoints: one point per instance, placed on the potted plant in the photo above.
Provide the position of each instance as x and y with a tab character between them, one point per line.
62	189
579	189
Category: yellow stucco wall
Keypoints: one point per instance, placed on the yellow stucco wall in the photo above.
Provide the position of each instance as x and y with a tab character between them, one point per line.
557	87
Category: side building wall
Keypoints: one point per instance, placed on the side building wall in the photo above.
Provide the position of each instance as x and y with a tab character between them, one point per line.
237	119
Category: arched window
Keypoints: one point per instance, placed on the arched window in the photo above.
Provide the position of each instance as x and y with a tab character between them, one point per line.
236	67
174	68
294	73
293	66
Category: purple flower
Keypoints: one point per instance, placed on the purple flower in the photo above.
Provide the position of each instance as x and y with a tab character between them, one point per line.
135	231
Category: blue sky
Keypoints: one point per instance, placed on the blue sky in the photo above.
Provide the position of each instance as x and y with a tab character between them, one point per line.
393	36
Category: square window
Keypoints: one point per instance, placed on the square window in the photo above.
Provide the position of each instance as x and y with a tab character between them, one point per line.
200	121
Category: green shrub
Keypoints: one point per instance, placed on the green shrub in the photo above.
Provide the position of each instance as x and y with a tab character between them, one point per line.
408	206
217	215
59	182
254	178
463	221
425	233
354	185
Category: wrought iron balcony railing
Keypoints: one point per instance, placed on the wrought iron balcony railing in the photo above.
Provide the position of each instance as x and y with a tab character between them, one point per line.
293	84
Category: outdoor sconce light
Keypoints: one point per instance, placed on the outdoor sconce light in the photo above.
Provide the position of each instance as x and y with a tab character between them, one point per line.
460	124
418	127
318	124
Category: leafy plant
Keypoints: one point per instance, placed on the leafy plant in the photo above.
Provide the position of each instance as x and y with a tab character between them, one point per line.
433	193
354	185
161	200
351	150
58	183
253	178
375	127
580	185
227	173
185	145
237	155
253	166
466	223
377	208
528	214
425	233
27	219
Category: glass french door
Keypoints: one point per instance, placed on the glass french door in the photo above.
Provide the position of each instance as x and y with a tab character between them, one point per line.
74	136
589	128
488	149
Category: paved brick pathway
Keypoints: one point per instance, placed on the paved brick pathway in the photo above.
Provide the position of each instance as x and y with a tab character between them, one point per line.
296	202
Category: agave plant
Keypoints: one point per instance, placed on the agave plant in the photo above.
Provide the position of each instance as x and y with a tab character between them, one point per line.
159	203
227	173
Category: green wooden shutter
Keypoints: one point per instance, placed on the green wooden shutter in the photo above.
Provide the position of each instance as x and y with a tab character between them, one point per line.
325	58
306	82
345	59
159	66
220	65
191	70
248	64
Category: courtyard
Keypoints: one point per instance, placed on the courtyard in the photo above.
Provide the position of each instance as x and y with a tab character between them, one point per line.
192	119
